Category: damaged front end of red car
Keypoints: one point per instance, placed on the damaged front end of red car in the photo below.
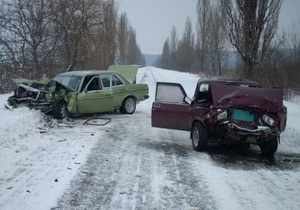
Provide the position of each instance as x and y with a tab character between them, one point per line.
247	114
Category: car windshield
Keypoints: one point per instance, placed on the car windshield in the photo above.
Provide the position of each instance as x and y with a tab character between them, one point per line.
70	81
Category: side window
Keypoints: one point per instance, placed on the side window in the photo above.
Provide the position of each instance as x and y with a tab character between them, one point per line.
91	83
116	81
204	94
94	84
105	81
85	82
170	92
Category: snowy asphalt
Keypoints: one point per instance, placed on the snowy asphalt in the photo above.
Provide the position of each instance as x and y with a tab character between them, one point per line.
139	167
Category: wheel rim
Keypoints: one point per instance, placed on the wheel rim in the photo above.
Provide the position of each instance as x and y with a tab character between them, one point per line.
195	136
130	105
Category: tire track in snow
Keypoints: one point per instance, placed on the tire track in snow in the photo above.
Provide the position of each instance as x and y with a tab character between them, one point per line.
135	167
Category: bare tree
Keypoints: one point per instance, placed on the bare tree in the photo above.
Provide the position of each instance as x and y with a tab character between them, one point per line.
80	21
134	55
28	35
203	27
173	48
164	60
122	38
47	37
128	51
217	39
107	35
252	25
185	50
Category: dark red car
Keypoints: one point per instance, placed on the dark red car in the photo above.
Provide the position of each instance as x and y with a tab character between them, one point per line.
226	110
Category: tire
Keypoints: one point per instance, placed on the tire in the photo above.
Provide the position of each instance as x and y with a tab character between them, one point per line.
128	106
199	137
60	111
269	147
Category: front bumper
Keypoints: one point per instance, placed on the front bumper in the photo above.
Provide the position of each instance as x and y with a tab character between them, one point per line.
44	106
248	134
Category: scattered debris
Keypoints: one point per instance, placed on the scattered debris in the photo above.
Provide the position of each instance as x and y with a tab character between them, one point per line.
62	140
99	121
9	188
56	180
43	131
7	107
28	191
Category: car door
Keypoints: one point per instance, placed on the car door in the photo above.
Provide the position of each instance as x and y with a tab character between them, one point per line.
171	108
94	98
118	87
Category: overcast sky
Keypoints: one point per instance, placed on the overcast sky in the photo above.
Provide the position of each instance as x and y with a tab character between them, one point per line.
154	19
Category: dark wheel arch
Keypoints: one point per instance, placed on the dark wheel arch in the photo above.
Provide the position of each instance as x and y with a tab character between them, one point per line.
199	136
60	111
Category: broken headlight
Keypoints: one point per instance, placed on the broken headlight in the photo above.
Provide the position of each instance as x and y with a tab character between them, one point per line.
48	96
221	115
269	120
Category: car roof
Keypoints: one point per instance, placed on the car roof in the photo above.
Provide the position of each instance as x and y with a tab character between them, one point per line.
85	72
227	81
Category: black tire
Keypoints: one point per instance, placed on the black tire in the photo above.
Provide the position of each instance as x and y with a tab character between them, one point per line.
128	106
60	111
199	137
269	147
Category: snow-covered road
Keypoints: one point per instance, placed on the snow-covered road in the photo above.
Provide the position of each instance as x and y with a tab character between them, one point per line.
127	164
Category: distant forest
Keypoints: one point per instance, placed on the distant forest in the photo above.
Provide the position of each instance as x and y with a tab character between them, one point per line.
237	38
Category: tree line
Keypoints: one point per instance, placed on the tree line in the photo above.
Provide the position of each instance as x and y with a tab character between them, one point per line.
45	37
247	27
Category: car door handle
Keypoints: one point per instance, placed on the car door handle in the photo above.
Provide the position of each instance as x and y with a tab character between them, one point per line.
156	105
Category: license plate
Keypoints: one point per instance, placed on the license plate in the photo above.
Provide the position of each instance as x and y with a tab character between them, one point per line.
242	115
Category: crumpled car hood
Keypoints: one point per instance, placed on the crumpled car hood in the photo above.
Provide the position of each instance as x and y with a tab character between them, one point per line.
29	82
267	99
42	84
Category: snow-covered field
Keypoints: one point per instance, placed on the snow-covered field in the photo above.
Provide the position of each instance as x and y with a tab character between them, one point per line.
127	164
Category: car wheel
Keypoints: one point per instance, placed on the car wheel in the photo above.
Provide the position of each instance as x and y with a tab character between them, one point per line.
269	147
60	111
199	137
128	106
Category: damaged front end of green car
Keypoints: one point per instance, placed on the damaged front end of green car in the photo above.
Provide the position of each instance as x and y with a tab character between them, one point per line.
43	94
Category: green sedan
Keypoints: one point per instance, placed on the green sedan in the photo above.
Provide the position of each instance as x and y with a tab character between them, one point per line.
80	92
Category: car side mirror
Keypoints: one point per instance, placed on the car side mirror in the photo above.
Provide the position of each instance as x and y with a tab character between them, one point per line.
188	100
